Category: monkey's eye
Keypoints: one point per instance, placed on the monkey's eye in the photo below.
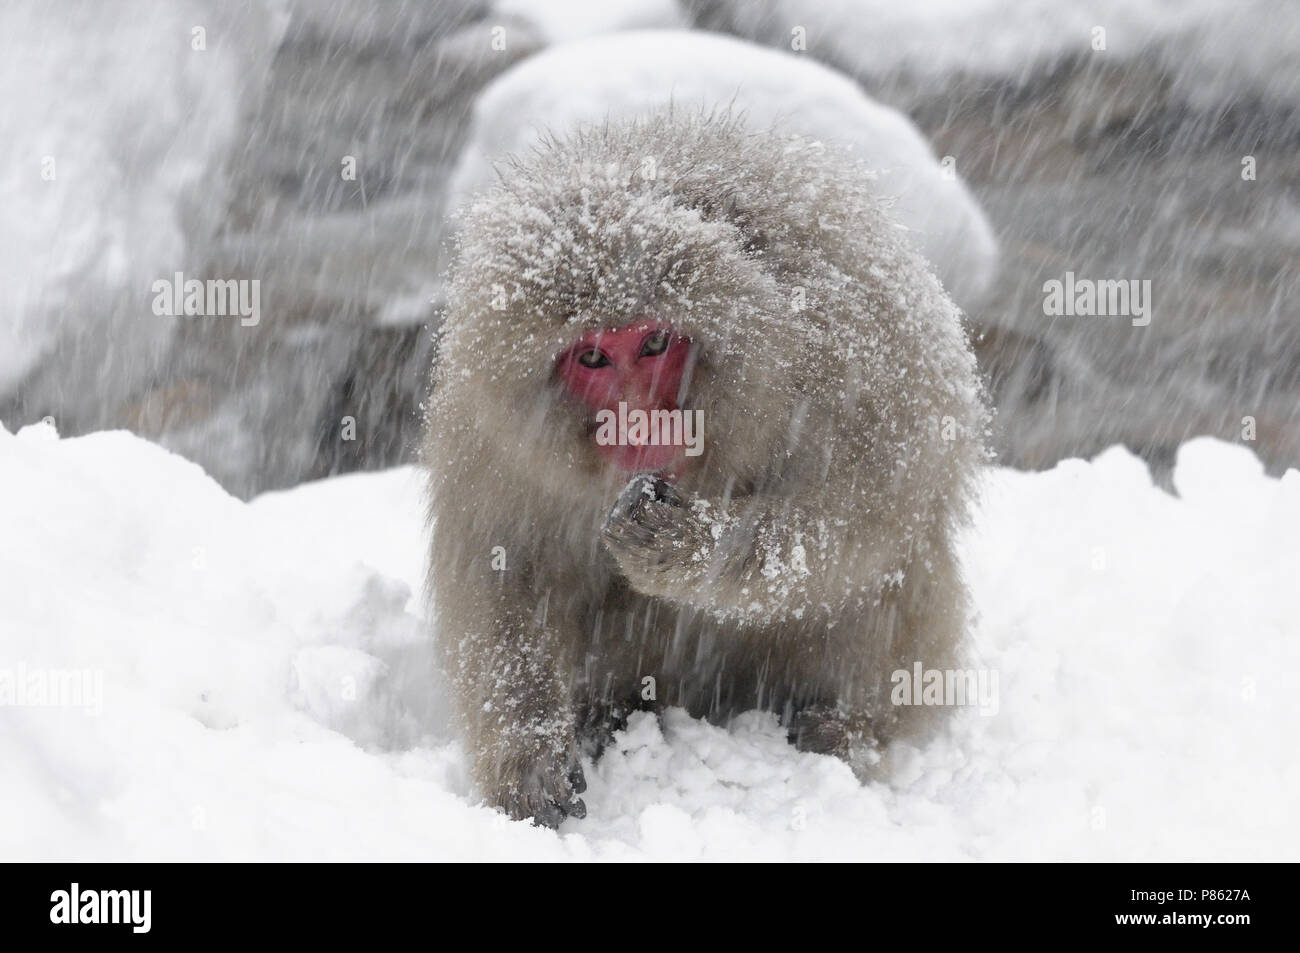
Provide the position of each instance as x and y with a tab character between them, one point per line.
592	358
656	344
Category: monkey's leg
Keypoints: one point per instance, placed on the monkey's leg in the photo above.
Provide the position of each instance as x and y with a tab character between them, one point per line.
598	719
846	734
514	696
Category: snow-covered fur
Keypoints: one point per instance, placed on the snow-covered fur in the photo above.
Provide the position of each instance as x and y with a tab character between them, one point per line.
805	557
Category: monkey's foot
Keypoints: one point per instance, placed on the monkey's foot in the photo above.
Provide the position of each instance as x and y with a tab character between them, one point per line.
546	795
822	729
597	724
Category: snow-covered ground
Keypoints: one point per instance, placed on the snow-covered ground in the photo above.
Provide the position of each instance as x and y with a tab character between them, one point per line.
253	680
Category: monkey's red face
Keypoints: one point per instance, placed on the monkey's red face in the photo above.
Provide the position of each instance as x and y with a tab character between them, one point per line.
642	366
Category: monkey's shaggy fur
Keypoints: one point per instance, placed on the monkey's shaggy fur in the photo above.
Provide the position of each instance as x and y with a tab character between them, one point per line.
807	554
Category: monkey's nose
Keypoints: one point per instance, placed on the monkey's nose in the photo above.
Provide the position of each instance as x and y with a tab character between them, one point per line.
639	394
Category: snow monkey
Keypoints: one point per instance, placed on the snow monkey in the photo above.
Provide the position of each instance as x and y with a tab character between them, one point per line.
795	556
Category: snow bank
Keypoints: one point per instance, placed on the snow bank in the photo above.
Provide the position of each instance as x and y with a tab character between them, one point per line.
632	72
560	20
266	689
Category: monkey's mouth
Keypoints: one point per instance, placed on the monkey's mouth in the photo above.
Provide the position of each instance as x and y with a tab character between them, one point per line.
632	380
668	461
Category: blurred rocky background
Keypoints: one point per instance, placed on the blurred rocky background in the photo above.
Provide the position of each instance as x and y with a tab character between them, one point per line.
143	138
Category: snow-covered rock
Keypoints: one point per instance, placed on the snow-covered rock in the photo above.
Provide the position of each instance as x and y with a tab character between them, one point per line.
116	120
636	71
253	681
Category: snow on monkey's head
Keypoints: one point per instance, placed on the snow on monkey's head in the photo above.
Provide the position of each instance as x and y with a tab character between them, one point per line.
717	284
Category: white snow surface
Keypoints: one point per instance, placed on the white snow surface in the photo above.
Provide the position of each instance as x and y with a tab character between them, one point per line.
560	20
634	72
268	690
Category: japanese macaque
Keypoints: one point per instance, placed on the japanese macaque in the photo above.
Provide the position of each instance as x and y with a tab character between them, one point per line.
793	557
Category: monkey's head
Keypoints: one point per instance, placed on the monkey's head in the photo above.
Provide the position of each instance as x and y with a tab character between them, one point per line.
594	282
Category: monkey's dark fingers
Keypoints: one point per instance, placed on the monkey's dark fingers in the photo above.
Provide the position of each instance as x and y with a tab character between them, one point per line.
822	729
639	491
553	812
665	492
643	490
577	780
549	815
575	806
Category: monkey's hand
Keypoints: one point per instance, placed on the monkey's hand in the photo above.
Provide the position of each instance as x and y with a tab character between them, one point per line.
756	561
657	536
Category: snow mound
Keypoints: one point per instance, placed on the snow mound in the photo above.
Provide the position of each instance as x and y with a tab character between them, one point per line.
266	689
637	71
559	20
